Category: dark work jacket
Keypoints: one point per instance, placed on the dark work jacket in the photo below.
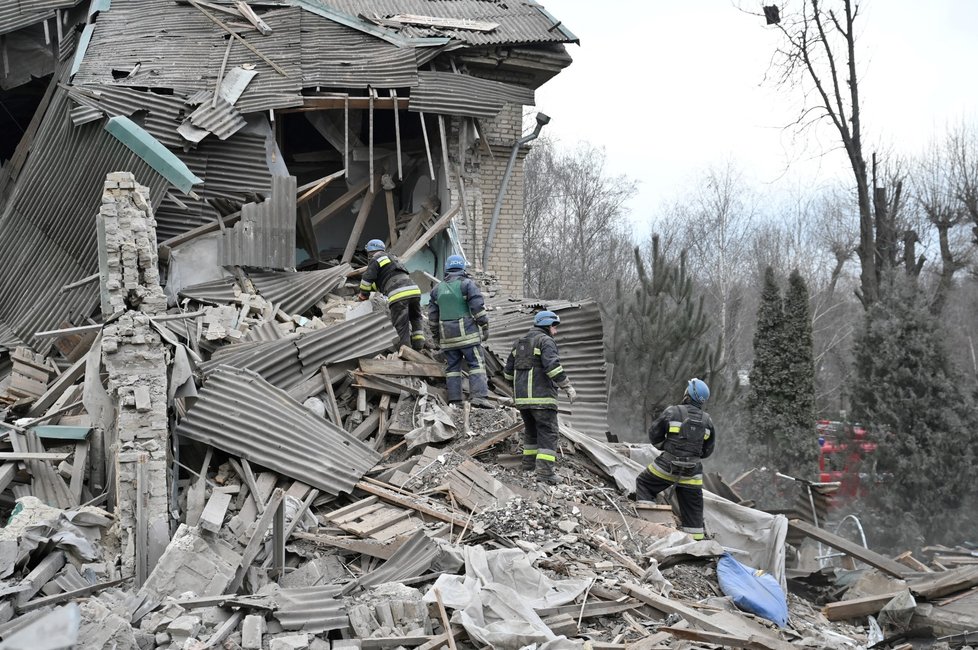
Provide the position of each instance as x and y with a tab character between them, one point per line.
666	434
387	275
534	368
457	309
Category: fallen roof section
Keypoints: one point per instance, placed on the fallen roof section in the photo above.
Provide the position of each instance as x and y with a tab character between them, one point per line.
242	414
519	21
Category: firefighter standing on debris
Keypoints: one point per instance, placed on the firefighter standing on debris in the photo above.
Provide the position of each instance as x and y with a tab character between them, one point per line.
534	368
388	276
685	434
459	323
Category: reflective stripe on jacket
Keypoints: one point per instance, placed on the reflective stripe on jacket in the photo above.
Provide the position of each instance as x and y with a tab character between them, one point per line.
388	276
534	368
681	450
457	306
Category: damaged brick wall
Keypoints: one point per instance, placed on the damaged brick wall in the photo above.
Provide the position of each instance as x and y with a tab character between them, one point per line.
135	359
483	175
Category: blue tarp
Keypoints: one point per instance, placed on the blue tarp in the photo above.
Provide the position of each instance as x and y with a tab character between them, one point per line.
753	590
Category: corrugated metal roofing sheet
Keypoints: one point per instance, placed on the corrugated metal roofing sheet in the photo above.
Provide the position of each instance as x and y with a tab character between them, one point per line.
461	94
223	120
265	234
187	50
240	413
339	56
47	229
229	169
286	362
217	292
295	292
361	337
520	21
311	609
17	14
412	559
580	339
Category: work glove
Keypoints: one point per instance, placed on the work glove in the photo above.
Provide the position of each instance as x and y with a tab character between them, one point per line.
484	332
362	296
571	392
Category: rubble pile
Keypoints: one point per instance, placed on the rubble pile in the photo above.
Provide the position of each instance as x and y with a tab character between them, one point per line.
229	474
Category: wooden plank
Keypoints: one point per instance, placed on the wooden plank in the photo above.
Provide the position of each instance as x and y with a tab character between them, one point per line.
69	595
401	368
44	571
405	526
351	508
909	560
373	548
446	624
435	228
38	455
391	215
351	244
78	471
339	204
357	514
857	607
378	521
252	17
368	426
477	447
936	585
255	544
392	497
7	472
881	562
725	640
591	609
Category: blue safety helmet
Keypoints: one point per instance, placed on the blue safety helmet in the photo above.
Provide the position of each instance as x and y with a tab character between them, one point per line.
374	245
455	263
697	391
546	319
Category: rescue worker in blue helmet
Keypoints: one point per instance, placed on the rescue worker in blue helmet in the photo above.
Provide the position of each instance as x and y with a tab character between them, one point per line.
388	276
685	434
534	368
459	324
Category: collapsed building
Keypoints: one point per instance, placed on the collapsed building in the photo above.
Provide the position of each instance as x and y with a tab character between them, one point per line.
207	442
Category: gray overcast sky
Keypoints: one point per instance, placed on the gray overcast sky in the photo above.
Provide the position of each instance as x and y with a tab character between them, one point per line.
670	87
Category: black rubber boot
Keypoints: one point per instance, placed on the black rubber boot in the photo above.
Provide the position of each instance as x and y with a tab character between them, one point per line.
482	403
545	472
529	462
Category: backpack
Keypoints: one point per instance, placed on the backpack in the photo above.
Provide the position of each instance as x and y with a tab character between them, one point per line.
684	447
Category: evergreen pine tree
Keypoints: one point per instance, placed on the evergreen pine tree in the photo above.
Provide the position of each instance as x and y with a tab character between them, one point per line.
796	440
906	391
659	339
767	376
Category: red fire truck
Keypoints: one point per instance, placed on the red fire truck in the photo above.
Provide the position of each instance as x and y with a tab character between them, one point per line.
845	455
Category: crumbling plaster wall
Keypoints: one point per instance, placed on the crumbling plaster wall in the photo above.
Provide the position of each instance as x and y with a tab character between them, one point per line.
135	359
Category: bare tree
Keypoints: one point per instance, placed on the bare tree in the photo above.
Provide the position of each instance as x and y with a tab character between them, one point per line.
937	179
819	51
715	225
577	238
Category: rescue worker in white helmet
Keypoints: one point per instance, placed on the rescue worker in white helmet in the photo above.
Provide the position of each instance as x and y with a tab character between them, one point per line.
388	276
534	368
459	324
685	434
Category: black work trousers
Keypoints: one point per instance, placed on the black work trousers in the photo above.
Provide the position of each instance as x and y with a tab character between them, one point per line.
690	497
407	320
540	435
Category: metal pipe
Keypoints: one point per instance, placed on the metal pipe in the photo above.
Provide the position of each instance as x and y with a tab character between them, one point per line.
542	120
